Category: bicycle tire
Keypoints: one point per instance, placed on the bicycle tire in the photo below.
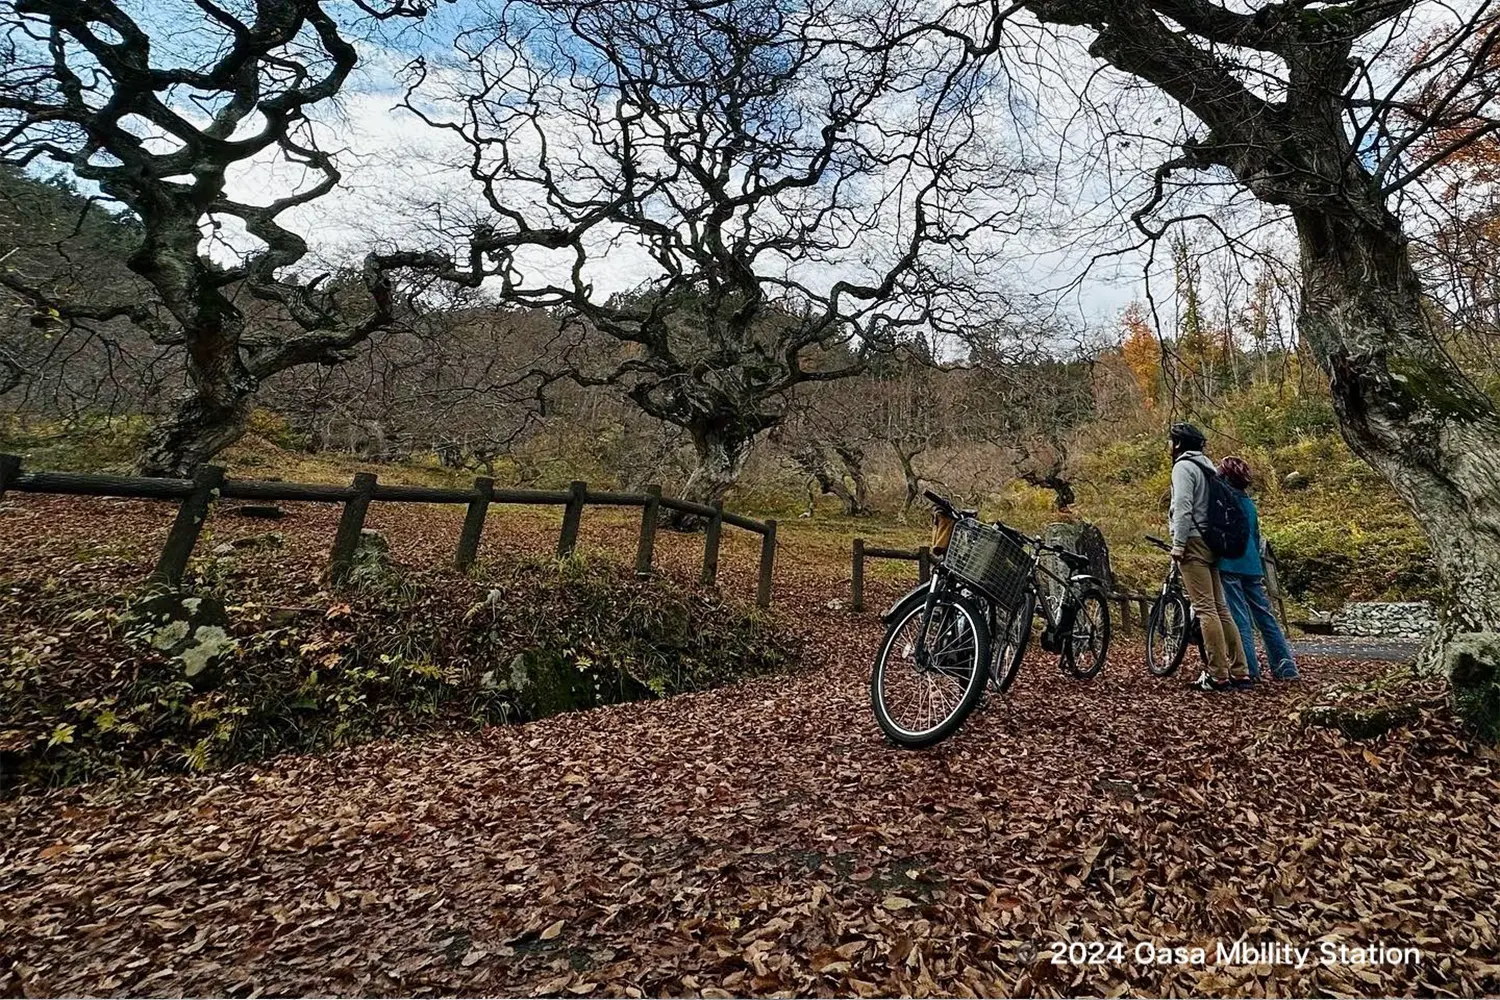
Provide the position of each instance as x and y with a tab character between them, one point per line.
1011	648
973	617
1167	643
1103	634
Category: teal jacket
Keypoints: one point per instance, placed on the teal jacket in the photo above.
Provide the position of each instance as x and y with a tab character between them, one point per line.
1248	564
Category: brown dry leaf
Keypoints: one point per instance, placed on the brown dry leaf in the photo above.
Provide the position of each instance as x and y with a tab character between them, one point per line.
777	880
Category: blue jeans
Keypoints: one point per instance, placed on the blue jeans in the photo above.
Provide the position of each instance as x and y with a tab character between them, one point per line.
1248	602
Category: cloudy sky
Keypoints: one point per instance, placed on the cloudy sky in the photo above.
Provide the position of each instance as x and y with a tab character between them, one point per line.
1073	246
400	175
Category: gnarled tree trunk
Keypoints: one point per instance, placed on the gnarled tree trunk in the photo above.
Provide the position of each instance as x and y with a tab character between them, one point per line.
1403	405
1063	496
908	473
722	452
857	500
812	459
210	417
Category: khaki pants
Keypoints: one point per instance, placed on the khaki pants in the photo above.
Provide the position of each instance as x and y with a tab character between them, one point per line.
1221	637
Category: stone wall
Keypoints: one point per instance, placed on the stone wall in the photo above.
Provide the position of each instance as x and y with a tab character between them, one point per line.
1414	620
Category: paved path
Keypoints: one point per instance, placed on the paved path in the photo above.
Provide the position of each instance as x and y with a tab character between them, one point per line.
1357	647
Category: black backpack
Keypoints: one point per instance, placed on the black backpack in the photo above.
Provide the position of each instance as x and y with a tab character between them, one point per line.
1227	530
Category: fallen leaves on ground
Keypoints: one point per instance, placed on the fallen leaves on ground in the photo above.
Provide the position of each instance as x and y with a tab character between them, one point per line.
762	839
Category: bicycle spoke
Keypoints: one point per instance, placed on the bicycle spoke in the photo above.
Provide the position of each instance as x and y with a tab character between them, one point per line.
920	697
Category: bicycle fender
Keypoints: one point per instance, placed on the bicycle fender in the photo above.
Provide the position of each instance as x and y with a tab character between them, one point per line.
1086	578
890	612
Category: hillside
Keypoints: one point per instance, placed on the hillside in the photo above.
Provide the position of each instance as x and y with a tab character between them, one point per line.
1339	530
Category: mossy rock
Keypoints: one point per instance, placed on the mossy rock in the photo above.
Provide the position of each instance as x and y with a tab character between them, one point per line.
1472	661
545	682
191	630
1362	723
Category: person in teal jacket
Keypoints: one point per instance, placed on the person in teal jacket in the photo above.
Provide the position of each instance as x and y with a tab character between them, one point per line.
1245	587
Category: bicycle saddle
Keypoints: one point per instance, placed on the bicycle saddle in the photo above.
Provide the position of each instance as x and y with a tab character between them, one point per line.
1074	560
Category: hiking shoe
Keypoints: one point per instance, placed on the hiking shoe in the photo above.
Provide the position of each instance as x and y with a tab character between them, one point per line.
1207	684
1290	675
1242	683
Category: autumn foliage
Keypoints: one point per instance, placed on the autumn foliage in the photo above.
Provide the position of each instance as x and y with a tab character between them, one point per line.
1142	351
755	839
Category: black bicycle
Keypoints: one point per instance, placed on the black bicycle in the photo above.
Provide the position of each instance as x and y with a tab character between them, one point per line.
1173	625
932	666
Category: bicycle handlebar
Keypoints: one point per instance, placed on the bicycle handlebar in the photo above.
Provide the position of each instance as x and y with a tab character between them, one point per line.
1159	543
947	506
939	501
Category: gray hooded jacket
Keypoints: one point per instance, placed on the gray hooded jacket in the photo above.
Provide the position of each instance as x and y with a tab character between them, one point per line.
1189	506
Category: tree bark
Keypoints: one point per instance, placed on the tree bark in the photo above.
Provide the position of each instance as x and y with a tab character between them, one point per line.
722	454
857	500
909	473
1063	496
1403	405
210	417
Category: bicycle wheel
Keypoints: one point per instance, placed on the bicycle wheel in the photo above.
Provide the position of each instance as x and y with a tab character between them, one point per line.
919	704
1010	648
1087	646
1167	635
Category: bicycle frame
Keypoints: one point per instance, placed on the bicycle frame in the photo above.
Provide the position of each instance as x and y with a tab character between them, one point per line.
942	577
1173	583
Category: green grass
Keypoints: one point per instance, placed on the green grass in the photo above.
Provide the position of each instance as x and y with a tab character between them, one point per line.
1342	535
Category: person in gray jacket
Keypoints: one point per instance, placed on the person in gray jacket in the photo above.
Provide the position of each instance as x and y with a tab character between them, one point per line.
1227	667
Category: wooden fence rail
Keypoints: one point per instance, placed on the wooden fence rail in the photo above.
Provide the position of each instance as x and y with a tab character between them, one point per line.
196	497
923	558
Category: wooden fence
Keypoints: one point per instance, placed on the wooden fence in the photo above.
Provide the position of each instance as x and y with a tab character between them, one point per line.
923	558
196	495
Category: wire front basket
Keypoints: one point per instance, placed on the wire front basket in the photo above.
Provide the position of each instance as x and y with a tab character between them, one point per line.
990	560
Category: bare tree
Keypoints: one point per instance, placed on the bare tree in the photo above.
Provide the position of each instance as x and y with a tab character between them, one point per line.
156	113
800	183
1320	110
825	437
911	408
1032	409
65	372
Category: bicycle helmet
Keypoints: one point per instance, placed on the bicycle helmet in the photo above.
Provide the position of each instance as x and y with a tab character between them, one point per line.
1186	437
1236	472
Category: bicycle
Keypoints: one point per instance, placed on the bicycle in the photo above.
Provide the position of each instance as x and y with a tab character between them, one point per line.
1173	624
941	630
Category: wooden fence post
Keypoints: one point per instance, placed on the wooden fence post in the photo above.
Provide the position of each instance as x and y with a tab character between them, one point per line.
1124	616
924	564
857	578
350	525
468	540
188	524
10	471
647	546
572	514
767	564
711	544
